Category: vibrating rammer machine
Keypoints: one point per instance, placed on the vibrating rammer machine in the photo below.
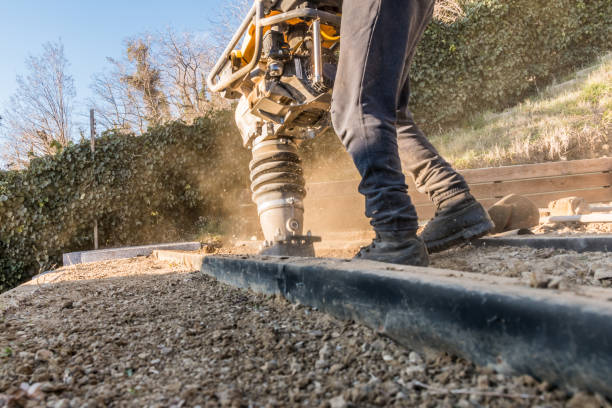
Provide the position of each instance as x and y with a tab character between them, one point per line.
283	76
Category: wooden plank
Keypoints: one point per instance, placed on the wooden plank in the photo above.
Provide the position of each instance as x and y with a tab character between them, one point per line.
527	171
488	175
542	185
332	188
593	195
348	188
344	213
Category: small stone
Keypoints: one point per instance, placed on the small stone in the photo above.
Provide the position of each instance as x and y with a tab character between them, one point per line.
569	206
555	282
25	369
35	391
411	372
335	368
602	274
337	402
295	368
43	355
464	404
545	387
319	364
514	212
224	396
166	350
269	366
325	352
415	358
358	393
539	280
378	345
583	400
482	382
400	396
391	387
63	403
476	399
387	357
68	305
25	355
526	380
52	387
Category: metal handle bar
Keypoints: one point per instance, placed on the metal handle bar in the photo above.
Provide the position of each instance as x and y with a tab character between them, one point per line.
257	11
325	17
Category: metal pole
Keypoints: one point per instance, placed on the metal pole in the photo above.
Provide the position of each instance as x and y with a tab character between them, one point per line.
92	129
317	51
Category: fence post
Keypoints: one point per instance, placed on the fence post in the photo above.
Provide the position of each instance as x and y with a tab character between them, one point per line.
92	129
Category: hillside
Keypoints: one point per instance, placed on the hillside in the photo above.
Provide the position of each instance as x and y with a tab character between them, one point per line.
568	120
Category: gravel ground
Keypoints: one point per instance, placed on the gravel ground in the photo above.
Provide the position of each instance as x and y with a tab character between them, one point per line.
144	333
543	268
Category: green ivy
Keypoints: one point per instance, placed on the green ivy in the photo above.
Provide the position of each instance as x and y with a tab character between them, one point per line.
141	189
502	51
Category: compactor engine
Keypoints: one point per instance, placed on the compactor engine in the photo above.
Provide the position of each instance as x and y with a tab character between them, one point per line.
282	75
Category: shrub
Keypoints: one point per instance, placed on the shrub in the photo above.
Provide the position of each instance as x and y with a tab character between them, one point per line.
151	188
500	51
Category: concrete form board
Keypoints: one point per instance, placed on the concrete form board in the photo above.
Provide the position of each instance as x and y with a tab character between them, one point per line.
74	258
562	338
595	243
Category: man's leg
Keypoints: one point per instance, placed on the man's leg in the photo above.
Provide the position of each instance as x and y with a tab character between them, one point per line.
375	36
432	174
459	217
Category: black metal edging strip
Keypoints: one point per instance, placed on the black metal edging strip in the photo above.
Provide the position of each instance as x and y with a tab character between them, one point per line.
563	339
602	243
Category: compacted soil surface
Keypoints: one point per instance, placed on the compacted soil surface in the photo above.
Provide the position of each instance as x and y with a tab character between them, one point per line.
142	332
542	268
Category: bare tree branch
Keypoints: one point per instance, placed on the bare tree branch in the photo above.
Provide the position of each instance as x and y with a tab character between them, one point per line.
38	120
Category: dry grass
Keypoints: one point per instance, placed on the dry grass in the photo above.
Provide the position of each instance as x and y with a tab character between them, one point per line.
449	11
569	120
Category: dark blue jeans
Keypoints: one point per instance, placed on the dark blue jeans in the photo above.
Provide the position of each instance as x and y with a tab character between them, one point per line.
370	110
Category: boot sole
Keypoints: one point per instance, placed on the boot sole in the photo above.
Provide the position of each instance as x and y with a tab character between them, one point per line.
465	235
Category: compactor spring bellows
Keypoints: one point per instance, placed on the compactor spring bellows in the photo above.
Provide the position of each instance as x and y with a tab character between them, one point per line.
277	183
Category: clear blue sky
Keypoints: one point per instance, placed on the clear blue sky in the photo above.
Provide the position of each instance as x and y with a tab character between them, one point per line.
90	31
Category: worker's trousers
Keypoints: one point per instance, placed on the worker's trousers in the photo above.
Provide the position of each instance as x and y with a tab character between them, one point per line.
370	110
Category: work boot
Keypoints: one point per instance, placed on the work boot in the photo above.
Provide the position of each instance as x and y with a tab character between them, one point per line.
398	247
456	221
